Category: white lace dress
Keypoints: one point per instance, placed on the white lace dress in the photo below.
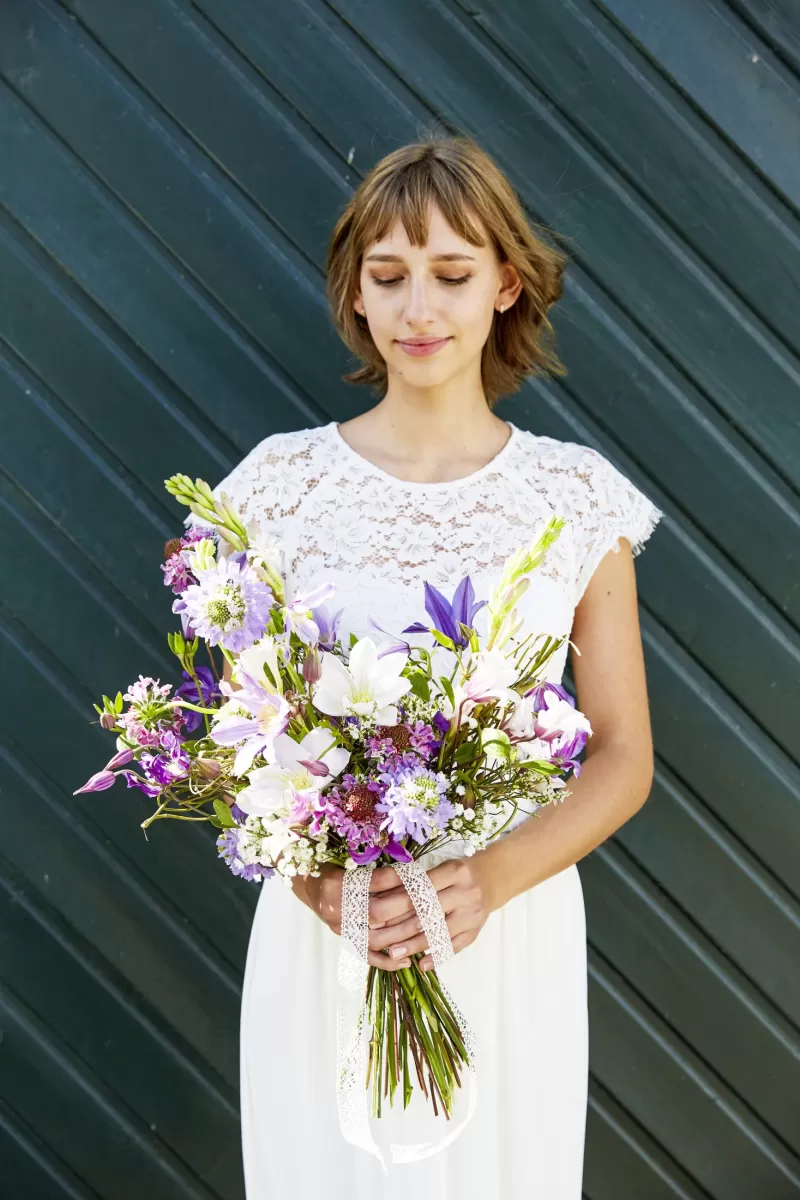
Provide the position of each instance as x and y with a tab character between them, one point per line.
523	981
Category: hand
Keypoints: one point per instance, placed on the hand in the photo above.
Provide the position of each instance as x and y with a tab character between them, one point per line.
462	886
323	895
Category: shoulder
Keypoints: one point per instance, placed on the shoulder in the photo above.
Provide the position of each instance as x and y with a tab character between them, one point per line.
274	474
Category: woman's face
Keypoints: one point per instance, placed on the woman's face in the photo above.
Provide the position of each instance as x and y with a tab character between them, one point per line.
430	308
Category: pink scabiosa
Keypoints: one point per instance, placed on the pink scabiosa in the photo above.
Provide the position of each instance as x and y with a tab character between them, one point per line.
415	802
352	810
228	606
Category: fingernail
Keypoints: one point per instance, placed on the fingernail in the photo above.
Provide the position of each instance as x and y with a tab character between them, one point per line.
399	951
406	962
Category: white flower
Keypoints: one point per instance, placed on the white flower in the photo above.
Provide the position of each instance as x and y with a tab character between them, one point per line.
562	718
367	687
490	680
276	789
253	660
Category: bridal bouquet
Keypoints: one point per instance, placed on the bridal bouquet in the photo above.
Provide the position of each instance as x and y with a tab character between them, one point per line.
374	753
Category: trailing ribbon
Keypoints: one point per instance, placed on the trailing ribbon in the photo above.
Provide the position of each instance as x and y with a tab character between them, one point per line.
352	1039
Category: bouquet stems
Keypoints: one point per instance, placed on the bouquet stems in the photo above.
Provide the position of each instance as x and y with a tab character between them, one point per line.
412	1021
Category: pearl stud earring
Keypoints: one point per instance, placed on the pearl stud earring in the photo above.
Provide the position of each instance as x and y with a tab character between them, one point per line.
502	308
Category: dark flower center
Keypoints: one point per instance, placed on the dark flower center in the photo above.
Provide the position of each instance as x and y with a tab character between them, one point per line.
359	804
398	735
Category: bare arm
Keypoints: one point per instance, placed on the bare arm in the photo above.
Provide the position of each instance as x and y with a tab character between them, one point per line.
617	772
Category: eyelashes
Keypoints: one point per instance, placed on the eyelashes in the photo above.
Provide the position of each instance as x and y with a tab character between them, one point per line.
442	279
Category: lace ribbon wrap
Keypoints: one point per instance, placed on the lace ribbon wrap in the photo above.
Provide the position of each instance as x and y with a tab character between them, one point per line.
352	1018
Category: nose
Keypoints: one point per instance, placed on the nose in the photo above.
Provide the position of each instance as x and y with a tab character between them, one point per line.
418	309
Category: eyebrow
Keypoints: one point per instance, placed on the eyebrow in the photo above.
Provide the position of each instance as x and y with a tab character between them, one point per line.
452	257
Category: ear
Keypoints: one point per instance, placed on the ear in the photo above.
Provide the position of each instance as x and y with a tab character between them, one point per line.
510	287
358	305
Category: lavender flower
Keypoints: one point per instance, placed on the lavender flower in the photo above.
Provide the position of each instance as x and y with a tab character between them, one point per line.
415	802
228	606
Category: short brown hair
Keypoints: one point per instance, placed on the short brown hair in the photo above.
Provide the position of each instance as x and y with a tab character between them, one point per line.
461	178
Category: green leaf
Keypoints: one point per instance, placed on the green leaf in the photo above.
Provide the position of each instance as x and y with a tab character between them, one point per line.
215	821
118	702
224	815
420	686
467	752
447	688
443	640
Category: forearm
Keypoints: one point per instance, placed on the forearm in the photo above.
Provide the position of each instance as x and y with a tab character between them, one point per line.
608	791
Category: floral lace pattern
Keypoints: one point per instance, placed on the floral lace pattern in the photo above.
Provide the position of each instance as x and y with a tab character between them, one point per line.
378	538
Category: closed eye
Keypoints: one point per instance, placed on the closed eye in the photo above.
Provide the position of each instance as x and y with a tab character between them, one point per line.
441	278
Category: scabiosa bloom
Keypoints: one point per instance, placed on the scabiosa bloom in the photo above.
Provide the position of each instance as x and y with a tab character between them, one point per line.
415	802
391	742
208	695
228	606
150	714
352	810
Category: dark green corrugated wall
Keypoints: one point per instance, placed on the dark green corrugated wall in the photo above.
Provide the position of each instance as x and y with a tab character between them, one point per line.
171	171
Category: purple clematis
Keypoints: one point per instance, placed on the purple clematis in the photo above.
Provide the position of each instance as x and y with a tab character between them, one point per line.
188	691
448	617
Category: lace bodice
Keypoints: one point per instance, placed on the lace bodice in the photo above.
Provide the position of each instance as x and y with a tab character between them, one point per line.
378	538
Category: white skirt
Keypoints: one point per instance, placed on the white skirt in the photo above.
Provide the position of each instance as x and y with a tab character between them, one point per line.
522	985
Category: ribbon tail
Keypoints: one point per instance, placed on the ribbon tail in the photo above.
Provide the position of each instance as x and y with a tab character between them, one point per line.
353	1026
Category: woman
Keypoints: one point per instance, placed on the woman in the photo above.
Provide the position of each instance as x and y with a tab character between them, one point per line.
439	285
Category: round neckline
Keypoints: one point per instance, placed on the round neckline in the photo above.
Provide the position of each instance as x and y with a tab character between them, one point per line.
421	484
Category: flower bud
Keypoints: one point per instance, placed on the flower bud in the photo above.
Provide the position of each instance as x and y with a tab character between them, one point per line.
98	782
209	768
312	665
119	759
108	720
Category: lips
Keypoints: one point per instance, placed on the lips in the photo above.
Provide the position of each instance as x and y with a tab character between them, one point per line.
419	349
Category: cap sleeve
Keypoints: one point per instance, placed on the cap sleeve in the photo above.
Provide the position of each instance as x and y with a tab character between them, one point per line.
604	506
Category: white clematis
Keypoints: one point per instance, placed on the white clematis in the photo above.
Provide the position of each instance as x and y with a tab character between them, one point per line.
288	788
490	680
252	662
561	718
368	686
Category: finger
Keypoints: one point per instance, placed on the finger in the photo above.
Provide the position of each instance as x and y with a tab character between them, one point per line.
395	934
384	963
390	907
457	923
383	878
459	942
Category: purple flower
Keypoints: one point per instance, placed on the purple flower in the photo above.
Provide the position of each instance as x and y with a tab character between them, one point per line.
98	782
447	617
415	802
539	695
229	851
228	606
209	693
327	624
